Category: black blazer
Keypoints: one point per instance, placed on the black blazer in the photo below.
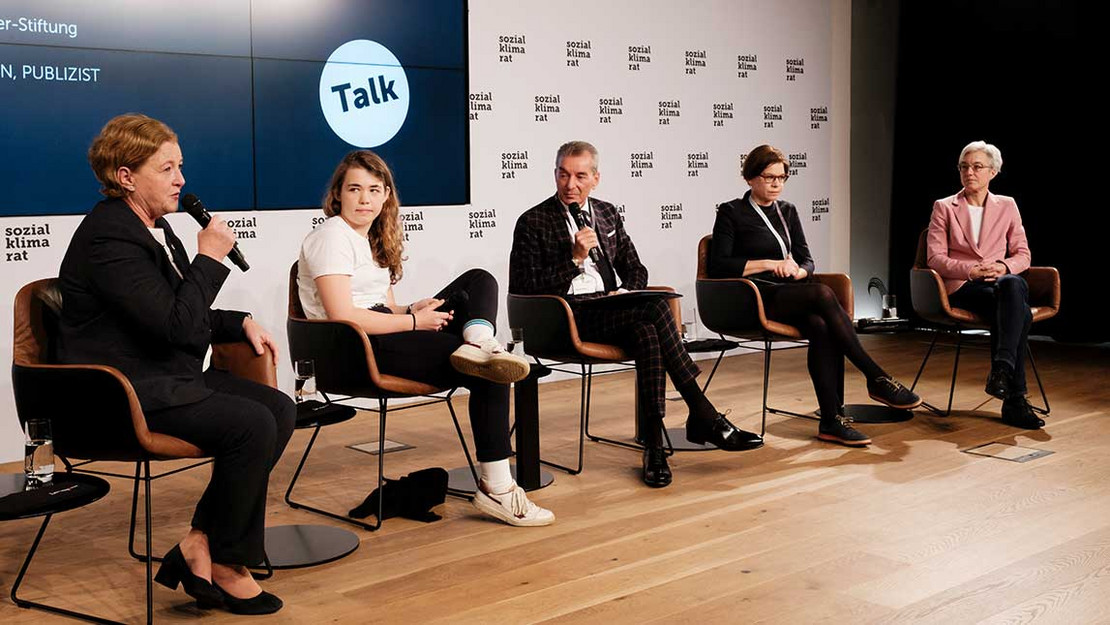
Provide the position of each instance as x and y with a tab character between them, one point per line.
740	235
540	262
124	305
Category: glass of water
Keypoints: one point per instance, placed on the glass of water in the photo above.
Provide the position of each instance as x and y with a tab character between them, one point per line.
890	307
305	385
516	346
38	447
690	325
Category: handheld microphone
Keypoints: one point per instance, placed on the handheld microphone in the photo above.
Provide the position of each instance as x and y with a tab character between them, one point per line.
582	220
194	207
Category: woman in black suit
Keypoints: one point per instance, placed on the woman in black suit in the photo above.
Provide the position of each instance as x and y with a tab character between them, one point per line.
133	300
760	238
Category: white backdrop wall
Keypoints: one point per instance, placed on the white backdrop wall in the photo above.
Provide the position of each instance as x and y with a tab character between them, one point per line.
671	94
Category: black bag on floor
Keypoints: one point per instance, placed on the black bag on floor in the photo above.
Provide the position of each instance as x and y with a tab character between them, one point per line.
412	497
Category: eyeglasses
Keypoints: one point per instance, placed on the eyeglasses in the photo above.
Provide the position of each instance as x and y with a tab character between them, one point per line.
773	179
976	167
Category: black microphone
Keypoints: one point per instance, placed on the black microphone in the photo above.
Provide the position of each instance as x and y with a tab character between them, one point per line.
582	220
193	206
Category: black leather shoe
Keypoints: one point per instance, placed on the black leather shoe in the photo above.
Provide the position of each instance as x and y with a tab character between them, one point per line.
1000	381
657	473
262	603
721	433
175	570
1017	412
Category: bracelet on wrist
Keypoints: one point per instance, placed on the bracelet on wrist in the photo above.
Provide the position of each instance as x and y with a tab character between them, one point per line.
413	321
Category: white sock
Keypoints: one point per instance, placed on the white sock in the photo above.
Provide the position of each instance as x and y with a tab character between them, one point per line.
477	330
496	476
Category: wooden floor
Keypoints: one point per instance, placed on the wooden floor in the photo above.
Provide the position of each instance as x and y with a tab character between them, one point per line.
909	530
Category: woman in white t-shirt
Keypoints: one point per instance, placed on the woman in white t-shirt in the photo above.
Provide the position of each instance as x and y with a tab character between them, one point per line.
347	268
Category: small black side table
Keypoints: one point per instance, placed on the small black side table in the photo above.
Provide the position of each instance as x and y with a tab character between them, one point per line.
66	492
297	546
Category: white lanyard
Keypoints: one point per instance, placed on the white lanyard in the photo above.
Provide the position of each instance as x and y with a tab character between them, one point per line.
782	246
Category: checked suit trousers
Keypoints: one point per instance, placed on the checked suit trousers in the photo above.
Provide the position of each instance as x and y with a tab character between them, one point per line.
647	332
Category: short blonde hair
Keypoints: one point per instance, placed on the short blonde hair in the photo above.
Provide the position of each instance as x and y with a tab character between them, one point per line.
127	140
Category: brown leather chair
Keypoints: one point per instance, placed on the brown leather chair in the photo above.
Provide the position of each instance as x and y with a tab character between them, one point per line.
550	333
930	302
345	365
94	412
734	307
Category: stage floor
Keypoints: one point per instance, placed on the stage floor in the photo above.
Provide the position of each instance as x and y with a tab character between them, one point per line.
911	529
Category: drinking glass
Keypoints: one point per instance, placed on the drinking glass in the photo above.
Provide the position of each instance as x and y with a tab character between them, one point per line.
38	447
305	385
516	345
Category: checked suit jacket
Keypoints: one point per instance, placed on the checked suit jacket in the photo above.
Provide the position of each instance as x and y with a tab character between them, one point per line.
540	262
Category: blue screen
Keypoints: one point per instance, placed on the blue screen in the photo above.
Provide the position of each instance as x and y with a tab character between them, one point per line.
238	81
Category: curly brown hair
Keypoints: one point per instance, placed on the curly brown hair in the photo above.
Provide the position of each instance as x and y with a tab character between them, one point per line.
386	239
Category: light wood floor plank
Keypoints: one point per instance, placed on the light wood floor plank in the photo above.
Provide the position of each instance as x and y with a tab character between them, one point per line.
800	531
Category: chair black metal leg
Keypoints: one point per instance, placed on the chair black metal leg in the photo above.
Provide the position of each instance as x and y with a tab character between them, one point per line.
955	369
713	371
149	550
766	386
1044	398
134	514
268	568
332	515
23	603
383	409
584	415
636	443
766	383
929	352
583	421
146	479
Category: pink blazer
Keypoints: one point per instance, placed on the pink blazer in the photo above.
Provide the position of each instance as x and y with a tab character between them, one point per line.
952	251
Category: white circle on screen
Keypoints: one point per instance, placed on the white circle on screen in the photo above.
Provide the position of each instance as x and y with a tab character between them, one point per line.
364	93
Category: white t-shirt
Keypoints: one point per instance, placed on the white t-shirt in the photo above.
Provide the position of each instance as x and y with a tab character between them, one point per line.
334	248
976	213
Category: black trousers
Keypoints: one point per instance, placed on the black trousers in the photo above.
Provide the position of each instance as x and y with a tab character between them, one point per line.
245	426
649	334
1006	303
812	307
424	356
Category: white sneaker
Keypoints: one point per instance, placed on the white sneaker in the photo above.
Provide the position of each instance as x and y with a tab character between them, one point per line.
513	507
488	360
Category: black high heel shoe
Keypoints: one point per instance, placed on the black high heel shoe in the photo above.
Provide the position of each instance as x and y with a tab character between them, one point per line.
175	570
262	603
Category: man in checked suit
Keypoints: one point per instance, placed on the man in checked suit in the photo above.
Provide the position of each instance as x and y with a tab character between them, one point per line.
551	256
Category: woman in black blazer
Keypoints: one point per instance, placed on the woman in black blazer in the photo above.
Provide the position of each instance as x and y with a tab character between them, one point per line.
760	238
133	300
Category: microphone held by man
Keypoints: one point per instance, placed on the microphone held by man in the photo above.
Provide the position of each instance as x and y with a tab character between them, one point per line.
586	237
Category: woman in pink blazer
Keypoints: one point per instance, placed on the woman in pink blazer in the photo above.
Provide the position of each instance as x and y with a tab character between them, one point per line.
977	244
